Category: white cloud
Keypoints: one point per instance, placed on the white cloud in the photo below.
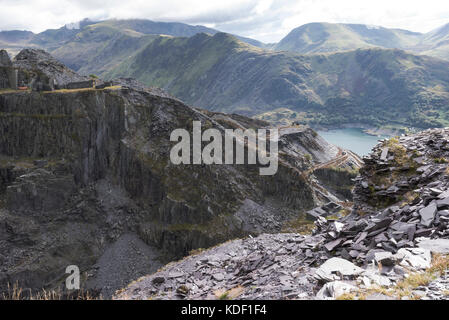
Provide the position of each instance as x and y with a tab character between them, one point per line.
266	20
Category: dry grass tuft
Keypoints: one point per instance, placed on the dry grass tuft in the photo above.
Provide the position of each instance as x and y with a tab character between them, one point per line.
347	296
233	293
17	293
440	263
405	287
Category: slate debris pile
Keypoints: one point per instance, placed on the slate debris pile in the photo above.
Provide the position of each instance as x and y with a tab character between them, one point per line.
324	211
266	267
399	166
358	237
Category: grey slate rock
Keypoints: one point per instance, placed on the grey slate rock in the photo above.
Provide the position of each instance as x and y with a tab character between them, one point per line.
444	203
158	280
385	258
435	245
383	156
330	246
428	214
337	269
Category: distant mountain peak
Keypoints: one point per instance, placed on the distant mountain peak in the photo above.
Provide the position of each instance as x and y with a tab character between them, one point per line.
443	29
79	24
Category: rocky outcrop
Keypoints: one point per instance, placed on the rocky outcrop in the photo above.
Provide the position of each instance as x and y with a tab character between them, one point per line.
40	66
5	61
137	85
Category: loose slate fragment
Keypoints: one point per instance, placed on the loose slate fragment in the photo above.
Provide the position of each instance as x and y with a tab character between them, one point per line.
444	203
385	258
384	154
330	246
334	289
428	214
379	225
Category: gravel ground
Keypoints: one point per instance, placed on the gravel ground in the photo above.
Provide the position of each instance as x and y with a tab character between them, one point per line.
127	259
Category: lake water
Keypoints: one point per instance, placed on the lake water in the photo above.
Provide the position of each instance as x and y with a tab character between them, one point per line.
353	139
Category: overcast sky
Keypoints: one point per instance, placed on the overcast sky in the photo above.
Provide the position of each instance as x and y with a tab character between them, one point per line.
264	20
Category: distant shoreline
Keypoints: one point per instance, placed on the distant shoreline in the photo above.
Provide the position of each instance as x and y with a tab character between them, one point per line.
370	130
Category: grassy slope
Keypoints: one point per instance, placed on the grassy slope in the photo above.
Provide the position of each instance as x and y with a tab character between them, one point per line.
374	86
99	47
331	37
436	43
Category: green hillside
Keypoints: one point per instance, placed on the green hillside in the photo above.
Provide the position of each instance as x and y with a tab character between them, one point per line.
332	37
378	87
100	47
436	43
95	47
321	73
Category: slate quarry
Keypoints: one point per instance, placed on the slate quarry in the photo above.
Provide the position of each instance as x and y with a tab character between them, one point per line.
399	221
86	177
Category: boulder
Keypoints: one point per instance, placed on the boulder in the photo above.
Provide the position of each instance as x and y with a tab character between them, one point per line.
337	269
435	245
385	258
416	258
335	289
371	276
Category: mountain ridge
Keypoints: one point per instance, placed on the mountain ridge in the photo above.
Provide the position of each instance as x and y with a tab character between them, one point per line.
332	37
52	39
221	73
211	74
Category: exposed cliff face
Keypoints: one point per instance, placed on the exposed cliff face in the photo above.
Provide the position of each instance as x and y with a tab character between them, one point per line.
80	170
5	70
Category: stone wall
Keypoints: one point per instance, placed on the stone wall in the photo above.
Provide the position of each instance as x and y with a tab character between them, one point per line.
81	84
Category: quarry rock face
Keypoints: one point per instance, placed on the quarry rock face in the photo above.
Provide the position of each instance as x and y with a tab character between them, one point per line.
5	61
81	170
7	72
86	180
